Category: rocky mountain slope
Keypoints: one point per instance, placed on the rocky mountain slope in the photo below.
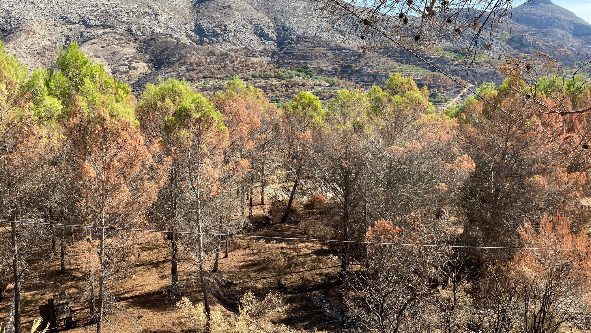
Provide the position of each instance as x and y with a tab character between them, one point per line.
263	25
546	27
207	41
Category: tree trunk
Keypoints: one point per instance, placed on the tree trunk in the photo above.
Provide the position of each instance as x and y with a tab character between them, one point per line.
17	281
174	272
3	286
53	244
101	312
263	184
216	262
345	254
227	246
174	238
62	254
53	238
344	257
197	193
291	197
250	205
242	197
202	270
92	303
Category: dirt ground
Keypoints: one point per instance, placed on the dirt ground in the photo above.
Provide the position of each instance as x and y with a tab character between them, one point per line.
303	272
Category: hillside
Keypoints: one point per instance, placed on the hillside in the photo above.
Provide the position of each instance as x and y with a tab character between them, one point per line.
548	28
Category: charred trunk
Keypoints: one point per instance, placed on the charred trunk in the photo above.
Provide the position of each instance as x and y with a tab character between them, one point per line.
346	217
174	271
227	247
16	280
3	286
216	262
92	296
101	300
62	254
202	279
291	197
263	184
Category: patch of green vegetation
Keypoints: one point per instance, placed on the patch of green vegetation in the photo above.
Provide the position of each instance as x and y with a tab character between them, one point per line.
405	69
460	55
454	111
304	72
437	99
454	55
503	36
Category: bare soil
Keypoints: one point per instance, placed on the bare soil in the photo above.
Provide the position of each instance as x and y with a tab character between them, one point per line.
305	273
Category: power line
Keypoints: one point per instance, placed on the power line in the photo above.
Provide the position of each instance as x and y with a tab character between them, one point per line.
279	238
295	272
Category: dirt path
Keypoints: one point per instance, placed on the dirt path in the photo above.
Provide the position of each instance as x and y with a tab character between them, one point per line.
460	98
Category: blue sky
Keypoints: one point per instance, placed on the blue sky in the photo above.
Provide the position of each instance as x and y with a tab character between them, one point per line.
581	8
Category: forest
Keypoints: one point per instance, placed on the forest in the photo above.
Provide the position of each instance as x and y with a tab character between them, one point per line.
473	218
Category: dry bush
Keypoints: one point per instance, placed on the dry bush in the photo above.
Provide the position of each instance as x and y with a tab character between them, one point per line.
393	292
256	316
546	286
317	201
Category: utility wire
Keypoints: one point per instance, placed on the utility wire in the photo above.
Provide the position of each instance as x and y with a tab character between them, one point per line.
279	238
295	272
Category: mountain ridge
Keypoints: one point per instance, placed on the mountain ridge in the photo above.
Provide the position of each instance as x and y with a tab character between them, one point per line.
544	14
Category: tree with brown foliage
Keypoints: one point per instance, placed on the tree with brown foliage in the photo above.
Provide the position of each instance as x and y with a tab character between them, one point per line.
302	126
156	104
110	161
394	290
24	142
518	173
198	133
343	154
545	287
248	156
56	185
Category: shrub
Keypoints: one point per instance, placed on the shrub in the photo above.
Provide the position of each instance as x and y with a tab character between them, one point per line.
256	316
316	201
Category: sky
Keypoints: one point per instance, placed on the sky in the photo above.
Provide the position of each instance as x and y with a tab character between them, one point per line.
581	8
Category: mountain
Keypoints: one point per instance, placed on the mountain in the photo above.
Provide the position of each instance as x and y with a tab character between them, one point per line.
544	15
208	41
543	26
